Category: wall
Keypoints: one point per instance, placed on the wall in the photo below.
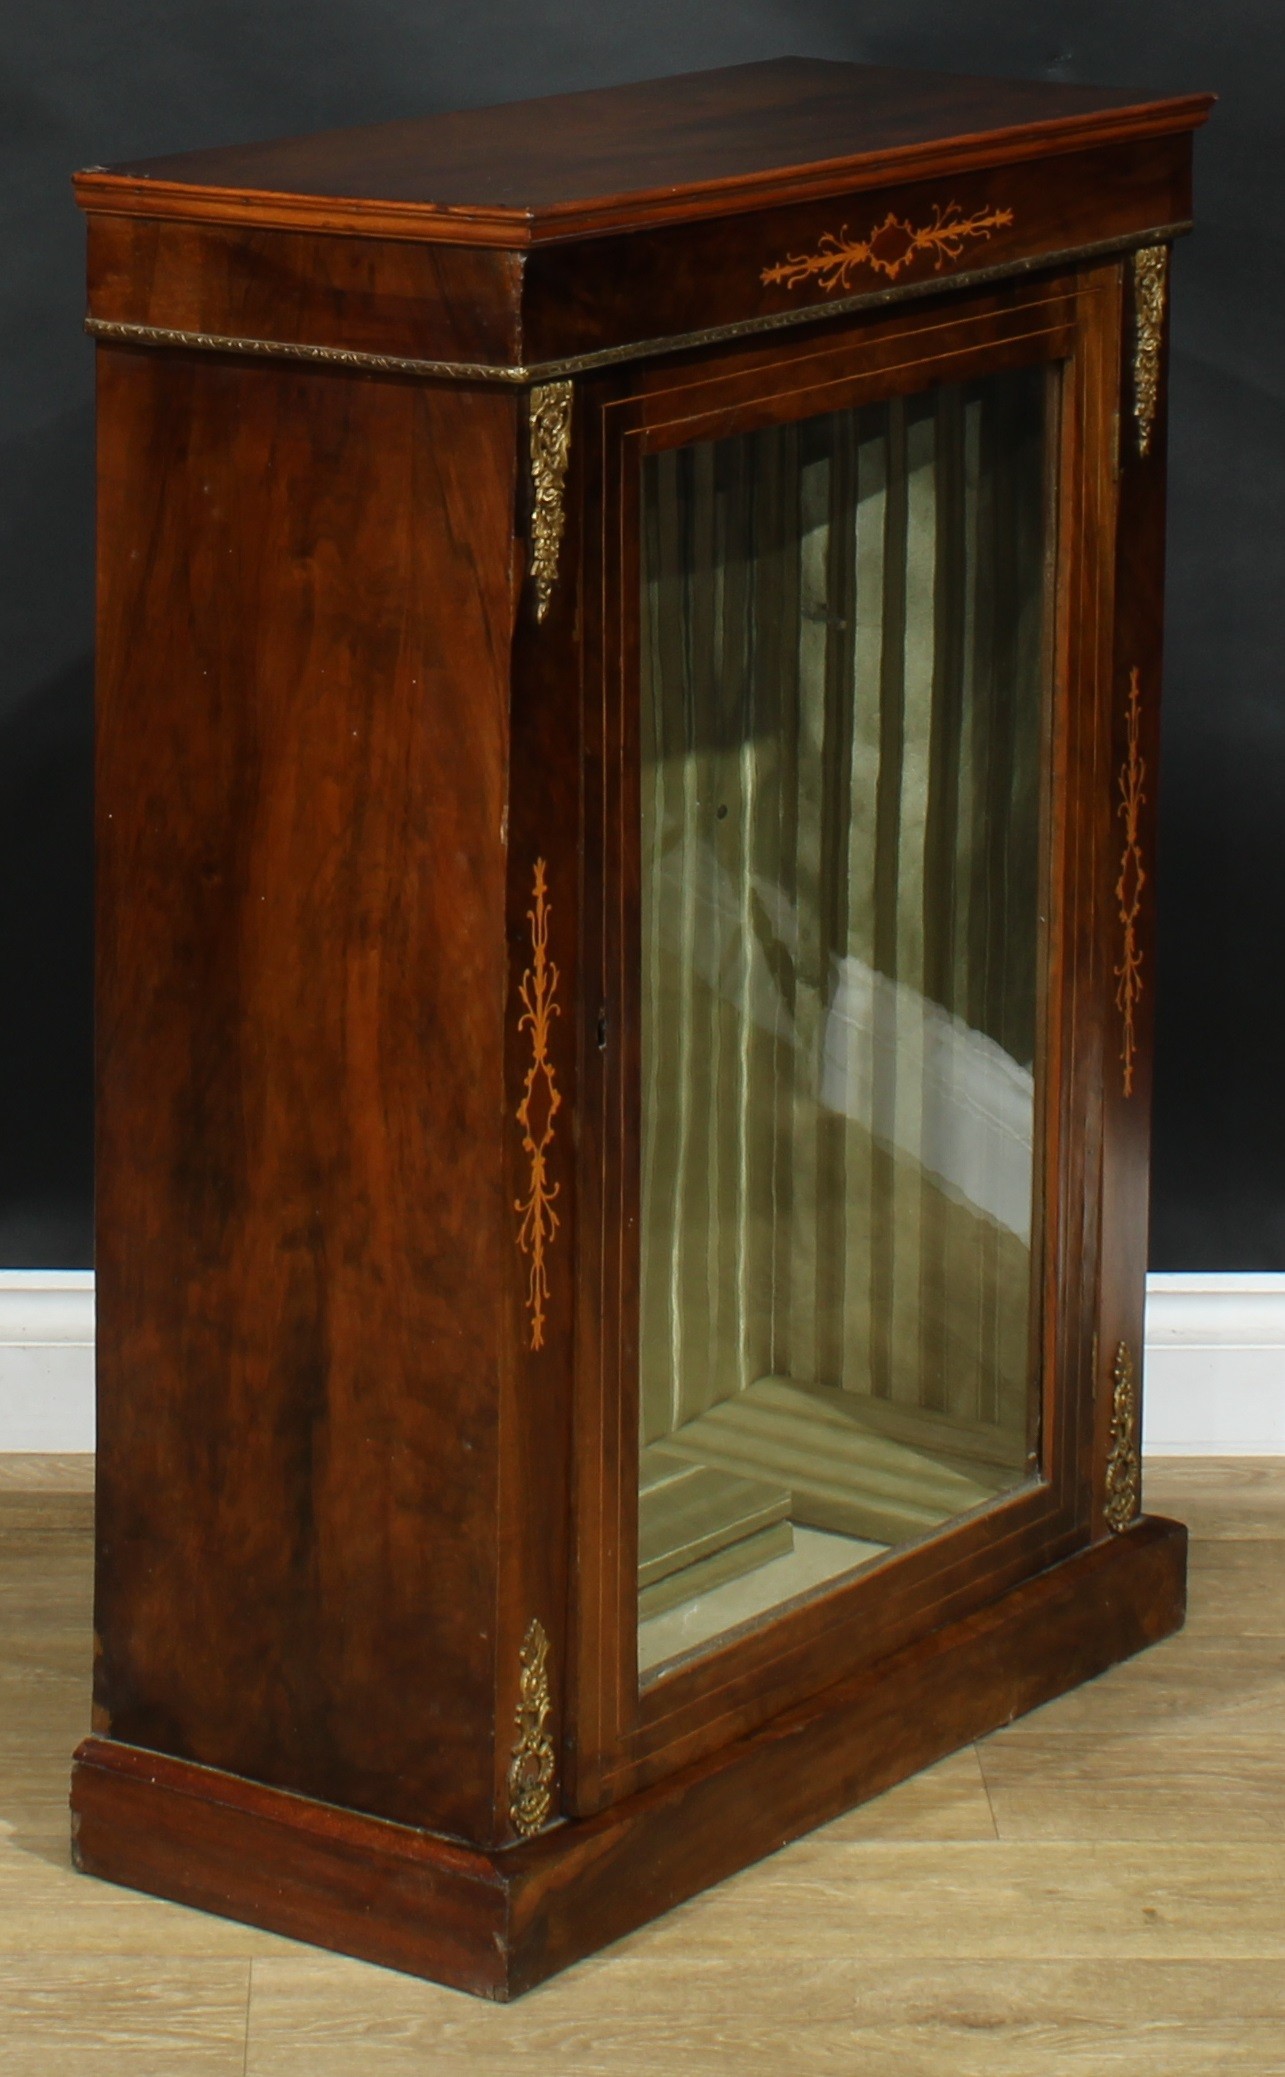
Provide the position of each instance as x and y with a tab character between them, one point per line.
94	80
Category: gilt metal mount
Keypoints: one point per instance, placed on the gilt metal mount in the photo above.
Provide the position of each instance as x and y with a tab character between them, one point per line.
1124	1462
531	1767
1150	275
550	452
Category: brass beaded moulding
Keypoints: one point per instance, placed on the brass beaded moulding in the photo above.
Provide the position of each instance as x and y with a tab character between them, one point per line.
526	374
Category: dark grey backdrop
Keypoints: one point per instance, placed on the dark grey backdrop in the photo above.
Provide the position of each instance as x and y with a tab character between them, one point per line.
95	80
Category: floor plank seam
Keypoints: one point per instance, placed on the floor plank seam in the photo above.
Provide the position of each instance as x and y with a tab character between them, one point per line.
1134	1919
986	1786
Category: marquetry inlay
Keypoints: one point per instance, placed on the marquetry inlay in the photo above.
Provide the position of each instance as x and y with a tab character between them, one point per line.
539	1106
1129	885
887	247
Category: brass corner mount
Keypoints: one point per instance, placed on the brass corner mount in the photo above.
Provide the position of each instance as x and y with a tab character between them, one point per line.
1150	276
1124	1461
531	1768
550	422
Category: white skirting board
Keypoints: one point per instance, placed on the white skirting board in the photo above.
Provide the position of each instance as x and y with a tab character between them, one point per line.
46	1359
1214	1380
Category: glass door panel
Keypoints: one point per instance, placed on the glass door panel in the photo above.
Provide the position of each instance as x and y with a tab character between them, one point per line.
843	695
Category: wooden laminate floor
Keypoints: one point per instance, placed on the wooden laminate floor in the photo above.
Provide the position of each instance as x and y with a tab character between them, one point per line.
1099	1888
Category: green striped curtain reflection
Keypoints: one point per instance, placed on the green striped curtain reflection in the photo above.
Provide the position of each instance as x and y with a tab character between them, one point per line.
841	695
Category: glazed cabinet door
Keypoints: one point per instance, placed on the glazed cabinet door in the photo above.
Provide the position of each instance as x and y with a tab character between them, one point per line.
847	660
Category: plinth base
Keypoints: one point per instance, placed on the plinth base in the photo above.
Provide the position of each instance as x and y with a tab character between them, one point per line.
497	1923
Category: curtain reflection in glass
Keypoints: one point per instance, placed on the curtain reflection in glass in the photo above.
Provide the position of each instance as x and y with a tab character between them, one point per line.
841	742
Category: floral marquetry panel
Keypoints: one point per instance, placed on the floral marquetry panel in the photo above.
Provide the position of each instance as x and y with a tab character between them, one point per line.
889	247
539	1106
1130	883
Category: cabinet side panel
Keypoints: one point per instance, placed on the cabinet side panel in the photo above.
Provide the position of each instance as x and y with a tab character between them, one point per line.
302	765
363	295
549	1024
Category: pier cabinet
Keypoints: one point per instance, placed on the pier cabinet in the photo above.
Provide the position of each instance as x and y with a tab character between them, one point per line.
629	668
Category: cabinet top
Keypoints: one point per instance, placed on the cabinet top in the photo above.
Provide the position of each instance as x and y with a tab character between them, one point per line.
631	157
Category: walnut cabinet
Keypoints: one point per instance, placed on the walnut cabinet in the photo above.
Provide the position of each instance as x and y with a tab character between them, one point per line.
629	665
